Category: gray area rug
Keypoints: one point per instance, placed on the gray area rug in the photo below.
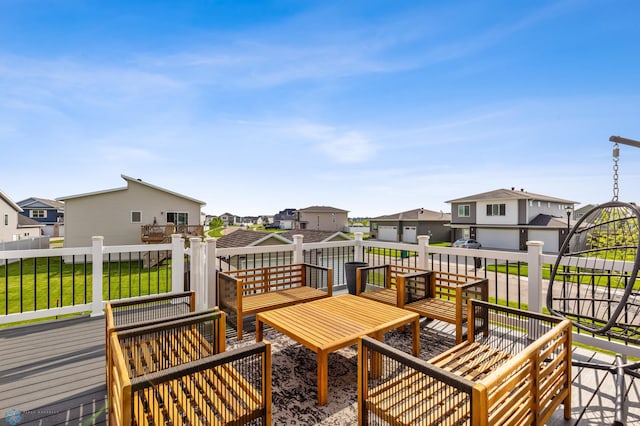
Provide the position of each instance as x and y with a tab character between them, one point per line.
294	376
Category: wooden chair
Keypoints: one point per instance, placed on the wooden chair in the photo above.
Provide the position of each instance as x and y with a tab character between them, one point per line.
249	291
178	372
514	369
437	295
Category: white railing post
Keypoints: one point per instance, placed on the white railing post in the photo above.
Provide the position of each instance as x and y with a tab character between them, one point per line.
198	273
423	251
298	254
534	259
357	256
97	244
177	263
212	275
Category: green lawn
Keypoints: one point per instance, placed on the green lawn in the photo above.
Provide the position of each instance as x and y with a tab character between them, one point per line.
48	282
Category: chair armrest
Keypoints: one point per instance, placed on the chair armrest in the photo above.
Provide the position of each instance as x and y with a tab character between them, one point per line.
375	281
317	276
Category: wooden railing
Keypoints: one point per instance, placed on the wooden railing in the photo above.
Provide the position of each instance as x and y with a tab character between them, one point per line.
162	233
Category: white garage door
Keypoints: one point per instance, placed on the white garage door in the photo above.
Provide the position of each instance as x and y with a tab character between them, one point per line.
388	233
499	238
550	239
410	234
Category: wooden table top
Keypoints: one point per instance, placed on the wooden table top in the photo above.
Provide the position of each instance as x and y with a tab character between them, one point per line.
335	322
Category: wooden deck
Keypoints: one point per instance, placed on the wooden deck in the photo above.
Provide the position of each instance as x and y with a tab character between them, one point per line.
53	373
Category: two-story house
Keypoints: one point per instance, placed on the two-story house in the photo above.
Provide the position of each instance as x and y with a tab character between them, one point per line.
50	213
508	218
322	218
406	226
124	215
14	226
285	219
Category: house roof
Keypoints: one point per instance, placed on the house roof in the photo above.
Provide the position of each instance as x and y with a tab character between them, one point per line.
247	238
27	222
314	236
417	214
323	209
510	194
549	221
10	202
130	179
34	202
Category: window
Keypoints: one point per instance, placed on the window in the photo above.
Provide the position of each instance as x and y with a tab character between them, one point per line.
136	217
496	209
6	220
38	213
178	218
464	210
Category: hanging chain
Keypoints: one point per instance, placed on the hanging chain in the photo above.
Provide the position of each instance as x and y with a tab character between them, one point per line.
616	157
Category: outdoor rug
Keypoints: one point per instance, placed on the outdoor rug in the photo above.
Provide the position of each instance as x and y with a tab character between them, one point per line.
294	375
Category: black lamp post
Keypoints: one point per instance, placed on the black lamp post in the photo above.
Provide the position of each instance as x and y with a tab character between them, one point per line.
568	211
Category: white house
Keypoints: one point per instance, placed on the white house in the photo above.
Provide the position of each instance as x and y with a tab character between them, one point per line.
121	214
14	226
508	218
9	218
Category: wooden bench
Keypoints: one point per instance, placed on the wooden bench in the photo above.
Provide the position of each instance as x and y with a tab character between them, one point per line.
249	291
132	313
437	295
178	372
515	369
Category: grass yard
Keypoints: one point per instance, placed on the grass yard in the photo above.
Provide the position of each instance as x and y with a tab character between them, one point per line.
41	283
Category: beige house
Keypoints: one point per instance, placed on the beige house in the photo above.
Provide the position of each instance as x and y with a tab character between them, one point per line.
322	218
123	215
8	218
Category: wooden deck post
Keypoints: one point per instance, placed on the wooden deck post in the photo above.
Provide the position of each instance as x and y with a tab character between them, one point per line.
96	275
423	252
198	274
177	264
357	251
298	254
211	283
534	256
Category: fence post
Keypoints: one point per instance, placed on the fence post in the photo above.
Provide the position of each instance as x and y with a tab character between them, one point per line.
423	251
357	251
97	243
212	275
534	257
298	253
177	263
198	273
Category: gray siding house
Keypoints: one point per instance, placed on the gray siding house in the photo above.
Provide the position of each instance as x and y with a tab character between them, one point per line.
406	226
322	218
508	218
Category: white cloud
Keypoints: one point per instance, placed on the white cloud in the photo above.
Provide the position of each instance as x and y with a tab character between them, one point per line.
349	147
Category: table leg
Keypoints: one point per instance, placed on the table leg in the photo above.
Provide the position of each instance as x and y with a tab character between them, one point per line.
259	330
376	359
323	377
416	337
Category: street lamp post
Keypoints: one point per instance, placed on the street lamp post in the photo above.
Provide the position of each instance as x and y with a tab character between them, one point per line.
568	212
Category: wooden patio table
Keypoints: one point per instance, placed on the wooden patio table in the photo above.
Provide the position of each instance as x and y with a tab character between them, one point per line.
333	323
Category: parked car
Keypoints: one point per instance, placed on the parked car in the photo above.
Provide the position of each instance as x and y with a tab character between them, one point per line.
467	243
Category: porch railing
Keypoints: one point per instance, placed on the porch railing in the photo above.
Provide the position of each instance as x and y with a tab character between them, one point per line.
46	283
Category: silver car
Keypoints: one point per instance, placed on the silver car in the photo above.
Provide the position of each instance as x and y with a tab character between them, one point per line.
467	243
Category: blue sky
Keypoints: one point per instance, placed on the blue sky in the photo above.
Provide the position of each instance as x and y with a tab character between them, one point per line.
375	107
